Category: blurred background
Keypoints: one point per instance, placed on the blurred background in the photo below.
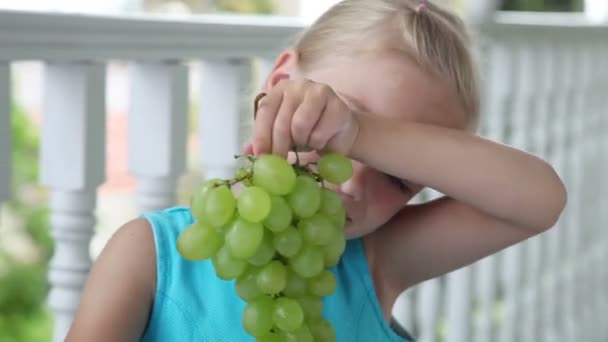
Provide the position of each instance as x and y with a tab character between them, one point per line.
26	246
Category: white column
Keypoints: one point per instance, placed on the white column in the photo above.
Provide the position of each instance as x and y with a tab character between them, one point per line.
458	305
223	87
157	132
403	310
72	166
5	132
428	309
603	241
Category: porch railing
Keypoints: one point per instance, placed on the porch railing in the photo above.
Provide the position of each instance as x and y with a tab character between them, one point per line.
545	86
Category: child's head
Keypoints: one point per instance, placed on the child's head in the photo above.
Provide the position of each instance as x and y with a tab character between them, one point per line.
403	59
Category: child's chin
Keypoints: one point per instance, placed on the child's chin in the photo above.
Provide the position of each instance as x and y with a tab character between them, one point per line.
352	231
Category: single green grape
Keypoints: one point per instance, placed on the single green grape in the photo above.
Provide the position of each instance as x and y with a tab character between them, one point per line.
334	250
274	174
322	285
272	278
312	306
288	242
244	238
308	262
257	316
288	314
296	286
317	229
247	285
197	201
280	215
219	206
265	252
335	168
199	242
332	207
253	204
322	330
226	266
305	199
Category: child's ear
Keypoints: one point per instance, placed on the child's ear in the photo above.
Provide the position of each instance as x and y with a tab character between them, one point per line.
285	67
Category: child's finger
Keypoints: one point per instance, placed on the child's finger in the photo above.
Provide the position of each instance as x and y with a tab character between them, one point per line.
281	131
262	127
305	118
328	126
248	149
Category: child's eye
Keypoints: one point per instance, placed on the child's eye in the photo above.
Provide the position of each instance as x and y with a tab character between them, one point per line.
398	182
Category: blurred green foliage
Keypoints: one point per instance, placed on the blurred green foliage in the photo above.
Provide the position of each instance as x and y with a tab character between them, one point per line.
246	7
233	6
24	316
543	5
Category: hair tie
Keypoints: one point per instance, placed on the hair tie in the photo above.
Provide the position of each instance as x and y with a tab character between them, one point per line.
421	6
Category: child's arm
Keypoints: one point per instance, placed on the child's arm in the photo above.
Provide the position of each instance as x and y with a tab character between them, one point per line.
496	196
118	295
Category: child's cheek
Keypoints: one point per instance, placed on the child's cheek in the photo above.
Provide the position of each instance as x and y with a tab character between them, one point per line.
386	205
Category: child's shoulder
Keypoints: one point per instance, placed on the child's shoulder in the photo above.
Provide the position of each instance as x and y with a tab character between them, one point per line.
112	310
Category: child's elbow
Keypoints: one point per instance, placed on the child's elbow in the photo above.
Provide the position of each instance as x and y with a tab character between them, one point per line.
555	200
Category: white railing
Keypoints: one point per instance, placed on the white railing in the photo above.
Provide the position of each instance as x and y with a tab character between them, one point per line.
545	80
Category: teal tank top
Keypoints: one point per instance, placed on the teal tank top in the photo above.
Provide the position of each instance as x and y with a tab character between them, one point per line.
192	304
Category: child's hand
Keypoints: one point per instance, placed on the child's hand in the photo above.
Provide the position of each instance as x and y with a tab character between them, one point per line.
305	114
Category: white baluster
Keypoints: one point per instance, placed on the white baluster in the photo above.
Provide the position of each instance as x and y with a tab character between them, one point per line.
575	245
458	305
588	214
428	310
403	310
594	296
603	240
72	166
5	132
157	131
223	84
483	328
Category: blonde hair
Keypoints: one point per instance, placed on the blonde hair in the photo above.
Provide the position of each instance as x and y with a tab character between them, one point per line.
433	37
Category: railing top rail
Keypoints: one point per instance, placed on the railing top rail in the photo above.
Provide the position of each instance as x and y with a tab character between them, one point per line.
522	24
55	36
27	35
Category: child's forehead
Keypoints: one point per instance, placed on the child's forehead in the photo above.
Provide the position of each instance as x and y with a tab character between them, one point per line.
396	87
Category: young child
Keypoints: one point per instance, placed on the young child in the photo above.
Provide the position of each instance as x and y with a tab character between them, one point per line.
391	85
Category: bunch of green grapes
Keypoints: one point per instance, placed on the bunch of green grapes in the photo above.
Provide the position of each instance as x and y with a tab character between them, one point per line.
277	238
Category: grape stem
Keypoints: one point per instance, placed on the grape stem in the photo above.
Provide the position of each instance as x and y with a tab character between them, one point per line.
242	178
248	156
